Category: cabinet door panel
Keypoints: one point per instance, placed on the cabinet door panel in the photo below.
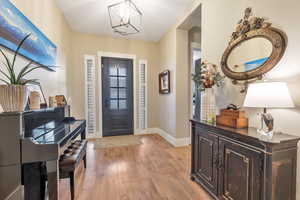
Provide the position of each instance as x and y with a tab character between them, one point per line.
206	159
240	172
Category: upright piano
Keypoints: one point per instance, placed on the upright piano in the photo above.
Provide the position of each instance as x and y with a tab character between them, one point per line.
30	148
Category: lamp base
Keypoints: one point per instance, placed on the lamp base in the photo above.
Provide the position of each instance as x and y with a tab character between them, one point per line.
267	124
266	133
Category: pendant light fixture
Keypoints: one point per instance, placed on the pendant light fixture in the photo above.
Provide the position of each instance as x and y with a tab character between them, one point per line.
125	17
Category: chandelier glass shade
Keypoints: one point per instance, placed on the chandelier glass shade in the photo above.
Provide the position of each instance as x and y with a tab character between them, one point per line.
125	17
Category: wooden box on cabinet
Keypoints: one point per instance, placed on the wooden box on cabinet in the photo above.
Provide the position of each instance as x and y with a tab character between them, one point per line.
238	164
232	118
232	122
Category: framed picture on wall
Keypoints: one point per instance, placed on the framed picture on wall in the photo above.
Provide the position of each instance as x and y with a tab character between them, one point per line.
164	82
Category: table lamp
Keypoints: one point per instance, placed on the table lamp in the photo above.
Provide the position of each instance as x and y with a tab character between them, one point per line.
268	95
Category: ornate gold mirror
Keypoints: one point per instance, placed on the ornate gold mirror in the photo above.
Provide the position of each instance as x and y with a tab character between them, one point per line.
255	48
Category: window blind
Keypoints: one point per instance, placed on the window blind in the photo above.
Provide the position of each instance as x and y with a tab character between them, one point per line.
142	94
90	98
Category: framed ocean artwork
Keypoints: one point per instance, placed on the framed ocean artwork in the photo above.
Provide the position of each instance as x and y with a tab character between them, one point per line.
14	26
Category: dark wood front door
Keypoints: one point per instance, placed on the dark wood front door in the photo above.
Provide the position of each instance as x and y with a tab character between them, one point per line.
117	96
240	172
206	159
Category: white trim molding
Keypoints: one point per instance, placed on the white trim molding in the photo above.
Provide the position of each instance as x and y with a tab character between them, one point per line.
143	132
117	55
175	142
94	136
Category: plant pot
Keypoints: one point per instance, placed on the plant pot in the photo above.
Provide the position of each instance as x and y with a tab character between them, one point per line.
13	98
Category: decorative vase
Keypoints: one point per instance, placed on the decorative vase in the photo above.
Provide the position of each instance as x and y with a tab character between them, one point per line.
208	105
13	98
34	98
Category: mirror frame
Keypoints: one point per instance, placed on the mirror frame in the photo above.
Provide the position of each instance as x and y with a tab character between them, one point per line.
275	36
236	51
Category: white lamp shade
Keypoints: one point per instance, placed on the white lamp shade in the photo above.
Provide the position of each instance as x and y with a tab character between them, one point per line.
268	95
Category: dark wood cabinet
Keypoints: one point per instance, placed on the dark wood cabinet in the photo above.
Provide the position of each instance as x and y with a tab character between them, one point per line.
240	168
240	164
206	160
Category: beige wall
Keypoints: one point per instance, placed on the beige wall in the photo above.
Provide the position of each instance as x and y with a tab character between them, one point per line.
219	20
216	35
195	34
87	44
182	84
48	18
167	102
174	107
169	111
72	46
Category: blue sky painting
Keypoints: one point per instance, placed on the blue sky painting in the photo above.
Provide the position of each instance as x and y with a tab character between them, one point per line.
14	26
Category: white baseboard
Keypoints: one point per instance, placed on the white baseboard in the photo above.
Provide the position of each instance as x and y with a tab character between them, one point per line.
176	142
181	142
141	132
153	130
93	136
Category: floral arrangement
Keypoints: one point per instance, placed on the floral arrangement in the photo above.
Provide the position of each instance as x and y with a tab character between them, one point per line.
207	76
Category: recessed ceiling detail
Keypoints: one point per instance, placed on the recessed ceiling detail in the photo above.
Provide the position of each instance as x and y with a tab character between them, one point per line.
91	16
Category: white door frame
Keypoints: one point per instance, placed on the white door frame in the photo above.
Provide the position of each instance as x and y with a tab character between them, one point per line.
194	45
117	55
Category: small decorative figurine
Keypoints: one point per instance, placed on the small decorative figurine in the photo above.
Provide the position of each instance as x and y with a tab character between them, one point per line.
269	122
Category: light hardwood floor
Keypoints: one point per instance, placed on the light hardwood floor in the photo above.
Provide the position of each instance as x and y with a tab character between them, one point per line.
152	171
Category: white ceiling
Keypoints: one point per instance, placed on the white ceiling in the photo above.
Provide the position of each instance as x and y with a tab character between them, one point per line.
91	16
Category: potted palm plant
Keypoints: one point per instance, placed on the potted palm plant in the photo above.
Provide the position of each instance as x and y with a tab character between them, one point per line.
14	94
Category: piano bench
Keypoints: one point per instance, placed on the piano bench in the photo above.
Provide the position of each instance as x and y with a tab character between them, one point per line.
69	161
